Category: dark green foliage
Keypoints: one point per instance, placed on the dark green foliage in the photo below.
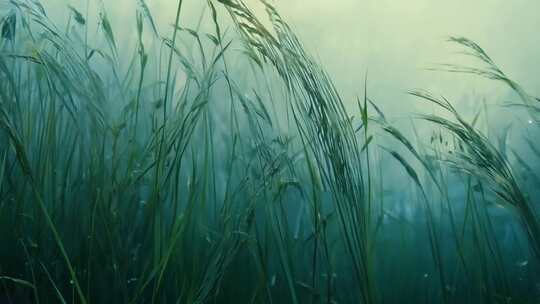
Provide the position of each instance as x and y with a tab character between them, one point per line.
9	26
179	177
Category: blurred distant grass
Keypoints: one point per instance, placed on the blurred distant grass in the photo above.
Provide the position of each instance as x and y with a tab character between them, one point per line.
168	174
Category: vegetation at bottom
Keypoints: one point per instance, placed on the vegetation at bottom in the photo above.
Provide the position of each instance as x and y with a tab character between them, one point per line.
221	165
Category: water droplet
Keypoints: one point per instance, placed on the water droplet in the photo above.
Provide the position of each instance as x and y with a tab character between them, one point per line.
426	275
522	263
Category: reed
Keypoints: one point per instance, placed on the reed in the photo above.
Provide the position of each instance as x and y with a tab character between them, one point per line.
178	169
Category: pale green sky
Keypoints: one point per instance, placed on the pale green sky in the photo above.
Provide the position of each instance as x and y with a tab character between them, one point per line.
395	40
392	39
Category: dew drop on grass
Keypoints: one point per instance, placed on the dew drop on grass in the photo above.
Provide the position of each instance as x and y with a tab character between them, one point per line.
522	263
132	280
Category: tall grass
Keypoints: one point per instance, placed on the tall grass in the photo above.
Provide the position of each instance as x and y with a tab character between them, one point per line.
173	175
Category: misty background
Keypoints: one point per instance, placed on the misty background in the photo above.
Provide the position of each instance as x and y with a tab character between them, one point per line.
393	41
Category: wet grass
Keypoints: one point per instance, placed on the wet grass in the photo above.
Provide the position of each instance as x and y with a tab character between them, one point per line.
222	167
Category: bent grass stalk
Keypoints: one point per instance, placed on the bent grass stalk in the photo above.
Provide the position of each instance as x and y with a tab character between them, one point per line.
125	168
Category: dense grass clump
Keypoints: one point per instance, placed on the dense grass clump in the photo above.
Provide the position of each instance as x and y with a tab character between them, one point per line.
159	171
